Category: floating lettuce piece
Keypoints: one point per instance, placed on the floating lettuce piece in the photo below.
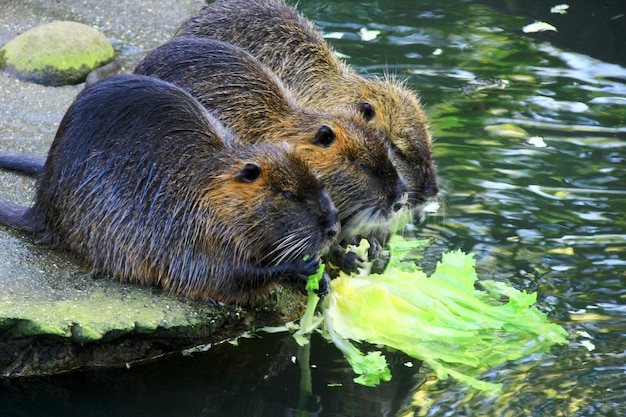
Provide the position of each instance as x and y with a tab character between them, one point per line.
559	8
538	27
457	330
368	34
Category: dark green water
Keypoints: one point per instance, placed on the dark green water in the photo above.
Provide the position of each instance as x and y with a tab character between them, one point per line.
535	185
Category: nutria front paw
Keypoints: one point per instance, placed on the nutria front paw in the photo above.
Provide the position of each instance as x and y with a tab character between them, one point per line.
376	248
379	264
352	262
307	267
348	262
300	267
324	286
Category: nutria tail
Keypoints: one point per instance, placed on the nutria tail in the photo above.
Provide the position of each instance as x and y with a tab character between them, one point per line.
14	215
102	73
21	162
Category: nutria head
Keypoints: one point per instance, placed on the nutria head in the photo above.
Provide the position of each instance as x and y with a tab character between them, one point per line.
354	164
272	204
398	115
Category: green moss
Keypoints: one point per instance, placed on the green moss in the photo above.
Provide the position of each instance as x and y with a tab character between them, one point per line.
56	53
95	317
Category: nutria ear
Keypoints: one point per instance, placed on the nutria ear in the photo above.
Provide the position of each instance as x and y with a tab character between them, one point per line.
325	136
366	109
249	173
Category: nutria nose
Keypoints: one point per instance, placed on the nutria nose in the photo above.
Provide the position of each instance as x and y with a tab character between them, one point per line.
400	196
330	223
431	189
397	206
332	231
401	188
400	203
329	216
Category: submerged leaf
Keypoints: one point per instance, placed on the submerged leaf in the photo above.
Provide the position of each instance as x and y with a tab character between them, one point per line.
507	129
372	367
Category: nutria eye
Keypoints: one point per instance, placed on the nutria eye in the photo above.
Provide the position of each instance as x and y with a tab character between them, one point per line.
249	173
290	196
325	136
366	110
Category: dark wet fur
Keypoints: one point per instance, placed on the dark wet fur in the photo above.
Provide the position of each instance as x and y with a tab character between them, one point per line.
146	185
288	44
350	157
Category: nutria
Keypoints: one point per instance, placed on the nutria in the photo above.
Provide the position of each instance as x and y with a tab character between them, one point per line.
285	41
150	188
350	157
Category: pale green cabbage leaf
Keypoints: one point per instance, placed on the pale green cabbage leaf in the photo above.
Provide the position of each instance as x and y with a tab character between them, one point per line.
443	319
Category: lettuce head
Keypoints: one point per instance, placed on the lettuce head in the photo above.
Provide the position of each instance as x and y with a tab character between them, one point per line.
442	319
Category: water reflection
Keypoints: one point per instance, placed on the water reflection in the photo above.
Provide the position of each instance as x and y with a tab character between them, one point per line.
255	378
549	219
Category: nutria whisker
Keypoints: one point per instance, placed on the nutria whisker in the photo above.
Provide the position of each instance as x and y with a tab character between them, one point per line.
288	241
367	219
293	251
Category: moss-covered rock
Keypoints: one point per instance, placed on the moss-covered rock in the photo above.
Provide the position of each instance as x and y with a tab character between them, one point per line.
56	316
56	53
106	324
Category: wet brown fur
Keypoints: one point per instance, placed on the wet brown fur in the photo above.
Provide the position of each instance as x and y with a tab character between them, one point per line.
350	157
287	42
150	188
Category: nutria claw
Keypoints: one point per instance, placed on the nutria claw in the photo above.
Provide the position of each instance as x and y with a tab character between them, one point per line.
309	266
376	248
324	286
305	268
348	262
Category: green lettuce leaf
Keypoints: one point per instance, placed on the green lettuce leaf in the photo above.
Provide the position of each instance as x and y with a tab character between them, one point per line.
372	367
443	319
309	320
